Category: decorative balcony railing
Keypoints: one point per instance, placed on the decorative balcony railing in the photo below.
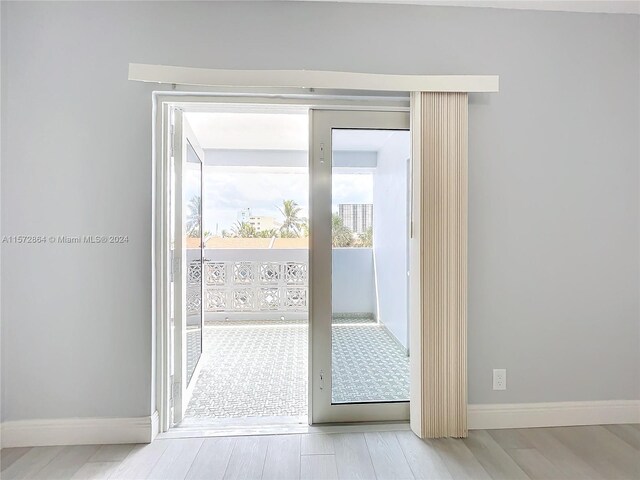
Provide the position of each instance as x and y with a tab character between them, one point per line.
259	283
268	284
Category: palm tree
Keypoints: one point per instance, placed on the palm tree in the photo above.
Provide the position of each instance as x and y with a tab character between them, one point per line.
292	224
192	224
268	233
341	235
366	238
244	230
305	229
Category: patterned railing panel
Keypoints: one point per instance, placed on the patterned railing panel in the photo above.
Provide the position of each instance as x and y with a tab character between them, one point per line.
249	286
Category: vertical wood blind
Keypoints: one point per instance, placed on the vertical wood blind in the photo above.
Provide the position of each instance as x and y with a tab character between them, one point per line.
439	313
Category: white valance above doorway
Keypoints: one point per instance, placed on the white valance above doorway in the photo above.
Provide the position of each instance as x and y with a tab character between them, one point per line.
211	77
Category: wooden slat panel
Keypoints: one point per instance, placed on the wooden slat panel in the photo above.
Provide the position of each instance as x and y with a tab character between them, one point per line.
627	433
317	444
318	467
212	459
66	463
141	460
352	457
95	471
387	456
112	453
534	464
176	460
607	454
423	459
247	458
283	458
571	453
440	131
9	455
31	463
568	463
493	458
459	459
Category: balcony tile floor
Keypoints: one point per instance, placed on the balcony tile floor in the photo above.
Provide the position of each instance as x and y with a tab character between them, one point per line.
259	369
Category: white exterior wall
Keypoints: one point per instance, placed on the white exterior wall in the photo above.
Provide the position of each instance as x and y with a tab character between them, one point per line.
390	234
353	289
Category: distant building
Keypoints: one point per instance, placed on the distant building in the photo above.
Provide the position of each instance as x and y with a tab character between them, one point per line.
243	215
262	223
358	217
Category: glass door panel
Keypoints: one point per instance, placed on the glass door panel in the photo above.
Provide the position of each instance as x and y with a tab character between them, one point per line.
359	266
187	263
369	329
193	241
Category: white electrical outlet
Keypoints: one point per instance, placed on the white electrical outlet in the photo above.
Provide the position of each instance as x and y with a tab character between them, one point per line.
499	379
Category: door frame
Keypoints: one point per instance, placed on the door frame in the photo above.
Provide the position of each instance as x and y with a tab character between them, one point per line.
211	100
322	123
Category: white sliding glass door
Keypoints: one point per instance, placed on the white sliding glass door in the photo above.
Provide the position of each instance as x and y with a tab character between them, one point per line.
359	266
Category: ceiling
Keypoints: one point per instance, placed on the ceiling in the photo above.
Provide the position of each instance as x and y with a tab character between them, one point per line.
273	131
250	131
591	6
348	140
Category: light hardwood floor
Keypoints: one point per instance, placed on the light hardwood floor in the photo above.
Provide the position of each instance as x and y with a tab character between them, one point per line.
592	452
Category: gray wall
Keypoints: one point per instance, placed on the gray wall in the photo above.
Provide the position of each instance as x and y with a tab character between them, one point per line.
390	230
553	225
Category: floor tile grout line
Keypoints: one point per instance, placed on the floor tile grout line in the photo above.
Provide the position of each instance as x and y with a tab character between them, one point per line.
404	455
474	457
373	467
119	463
300	456
194	457
620	437
157	460
509	450
226	466
264	460
233	449
3	468
62	449
442	460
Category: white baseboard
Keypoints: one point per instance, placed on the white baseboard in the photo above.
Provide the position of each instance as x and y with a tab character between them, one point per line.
79	431
96	431
555	414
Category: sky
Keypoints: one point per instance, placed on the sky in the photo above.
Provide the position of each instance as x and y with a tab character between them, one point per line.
226	194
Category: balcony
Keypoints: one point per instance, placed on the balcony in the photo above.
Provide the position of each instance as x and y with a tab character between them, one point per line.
249	283
254	361
271	283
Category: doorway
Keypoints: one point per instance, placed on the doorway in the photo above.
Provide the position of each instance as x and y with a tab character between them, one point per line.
242	237
289	294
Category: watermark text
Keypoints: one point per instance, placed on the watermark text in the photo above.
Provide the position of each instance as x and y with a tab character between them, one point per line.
64	239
